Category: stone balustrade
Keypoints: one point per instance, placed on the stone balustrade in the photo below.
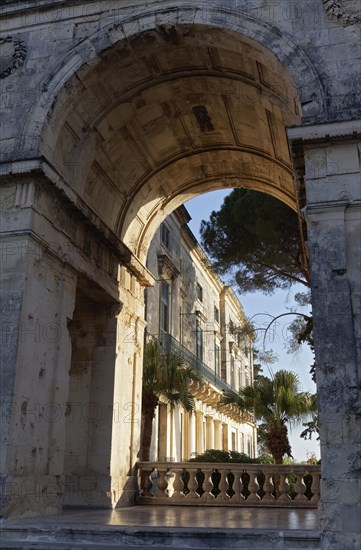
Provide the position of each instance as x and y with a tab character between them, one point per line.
230	484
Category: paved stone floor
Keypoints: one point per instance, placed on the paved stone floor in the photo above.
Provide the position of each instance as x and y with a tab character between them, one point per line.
166	528
184	516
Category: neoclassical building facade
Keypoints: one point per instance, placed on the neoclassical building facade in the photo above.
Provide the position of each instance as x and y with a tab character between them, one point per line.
115	113
191	312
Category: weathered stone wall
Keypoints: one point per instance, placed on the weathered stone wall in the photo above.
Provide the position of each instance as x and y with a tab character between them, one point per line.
93	150
335	252
333	212
45	246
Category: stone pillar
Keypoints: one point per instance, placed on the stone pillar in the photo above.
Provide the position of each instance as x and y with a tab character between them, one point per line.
209	432
333	213
199	432
255	451
237	440
217	434
162	431
127	397
37	302
192	434
186	436
225	436
90	404
49	250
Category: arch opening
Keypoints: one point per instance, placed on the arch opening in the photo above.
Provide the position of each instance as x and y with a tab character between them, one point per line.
170	114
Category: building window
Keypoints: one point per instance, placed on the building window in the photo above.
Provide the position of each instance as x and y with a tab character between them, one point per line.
216	314
199	340
164	308
199	292
217	360
231	326
165	235
233	377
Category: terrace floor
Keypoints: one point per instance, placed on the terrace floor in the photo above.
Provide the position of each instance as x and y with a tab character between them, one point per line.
184	516
169	528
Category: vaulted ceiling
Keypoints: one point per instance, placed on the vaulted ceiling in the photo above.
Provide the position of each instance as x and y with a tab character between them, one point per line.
168	115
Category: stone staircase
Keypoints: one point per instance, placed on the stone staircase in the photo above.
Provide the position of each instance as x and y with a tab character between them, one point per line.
102	537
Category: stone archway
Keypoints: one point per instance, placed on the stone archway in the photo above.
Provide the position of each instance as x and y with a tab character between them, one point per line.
150	125
102	154
169	125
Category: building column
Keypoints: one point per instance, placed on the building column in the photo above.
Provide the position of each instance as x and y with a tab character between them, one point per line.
241	442
162	431
199	432
217	434
209	433
255	450
333	213
192	434
237	440
186	437
225	436
38	288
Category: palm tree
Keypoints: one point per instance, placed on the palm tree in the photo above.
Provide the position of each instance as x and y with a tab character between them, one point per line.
275	402
166	375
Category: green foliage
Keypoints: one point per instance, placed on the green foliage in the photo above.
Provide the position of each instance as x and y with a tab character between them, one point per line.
275	402
265	458
163	375
255	238
312	459
215	455
166	374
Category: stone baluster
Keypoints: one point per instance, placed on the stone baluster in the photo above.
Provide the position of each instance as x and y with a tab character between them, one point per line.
192	485
284	488
316	477
162	483
237	486
268	487
146	483
223	485
300	487
178	484
253	487
208	485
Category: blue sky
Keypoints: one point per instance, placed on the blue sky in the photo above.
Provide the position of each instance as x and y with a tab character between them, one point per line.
258	305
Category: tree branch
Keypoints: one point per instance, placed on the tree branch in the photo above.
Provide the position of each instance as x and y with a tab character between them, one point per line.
284	273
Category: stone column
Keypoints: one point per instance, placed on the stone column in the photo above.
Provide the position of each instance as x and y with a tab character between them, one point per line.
217	434
186	436
199	432
127	397
209	432
192	433
225	436
49	250
163	431
37	302
333	213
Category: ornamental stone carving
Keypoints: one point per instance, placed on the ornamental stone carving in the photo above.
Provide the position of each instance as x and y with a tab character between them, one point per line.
12	55
347	11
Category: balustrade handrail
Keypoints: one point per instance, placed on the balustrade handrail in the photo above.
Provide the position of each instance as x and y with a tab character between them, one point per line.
232	465
229	483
